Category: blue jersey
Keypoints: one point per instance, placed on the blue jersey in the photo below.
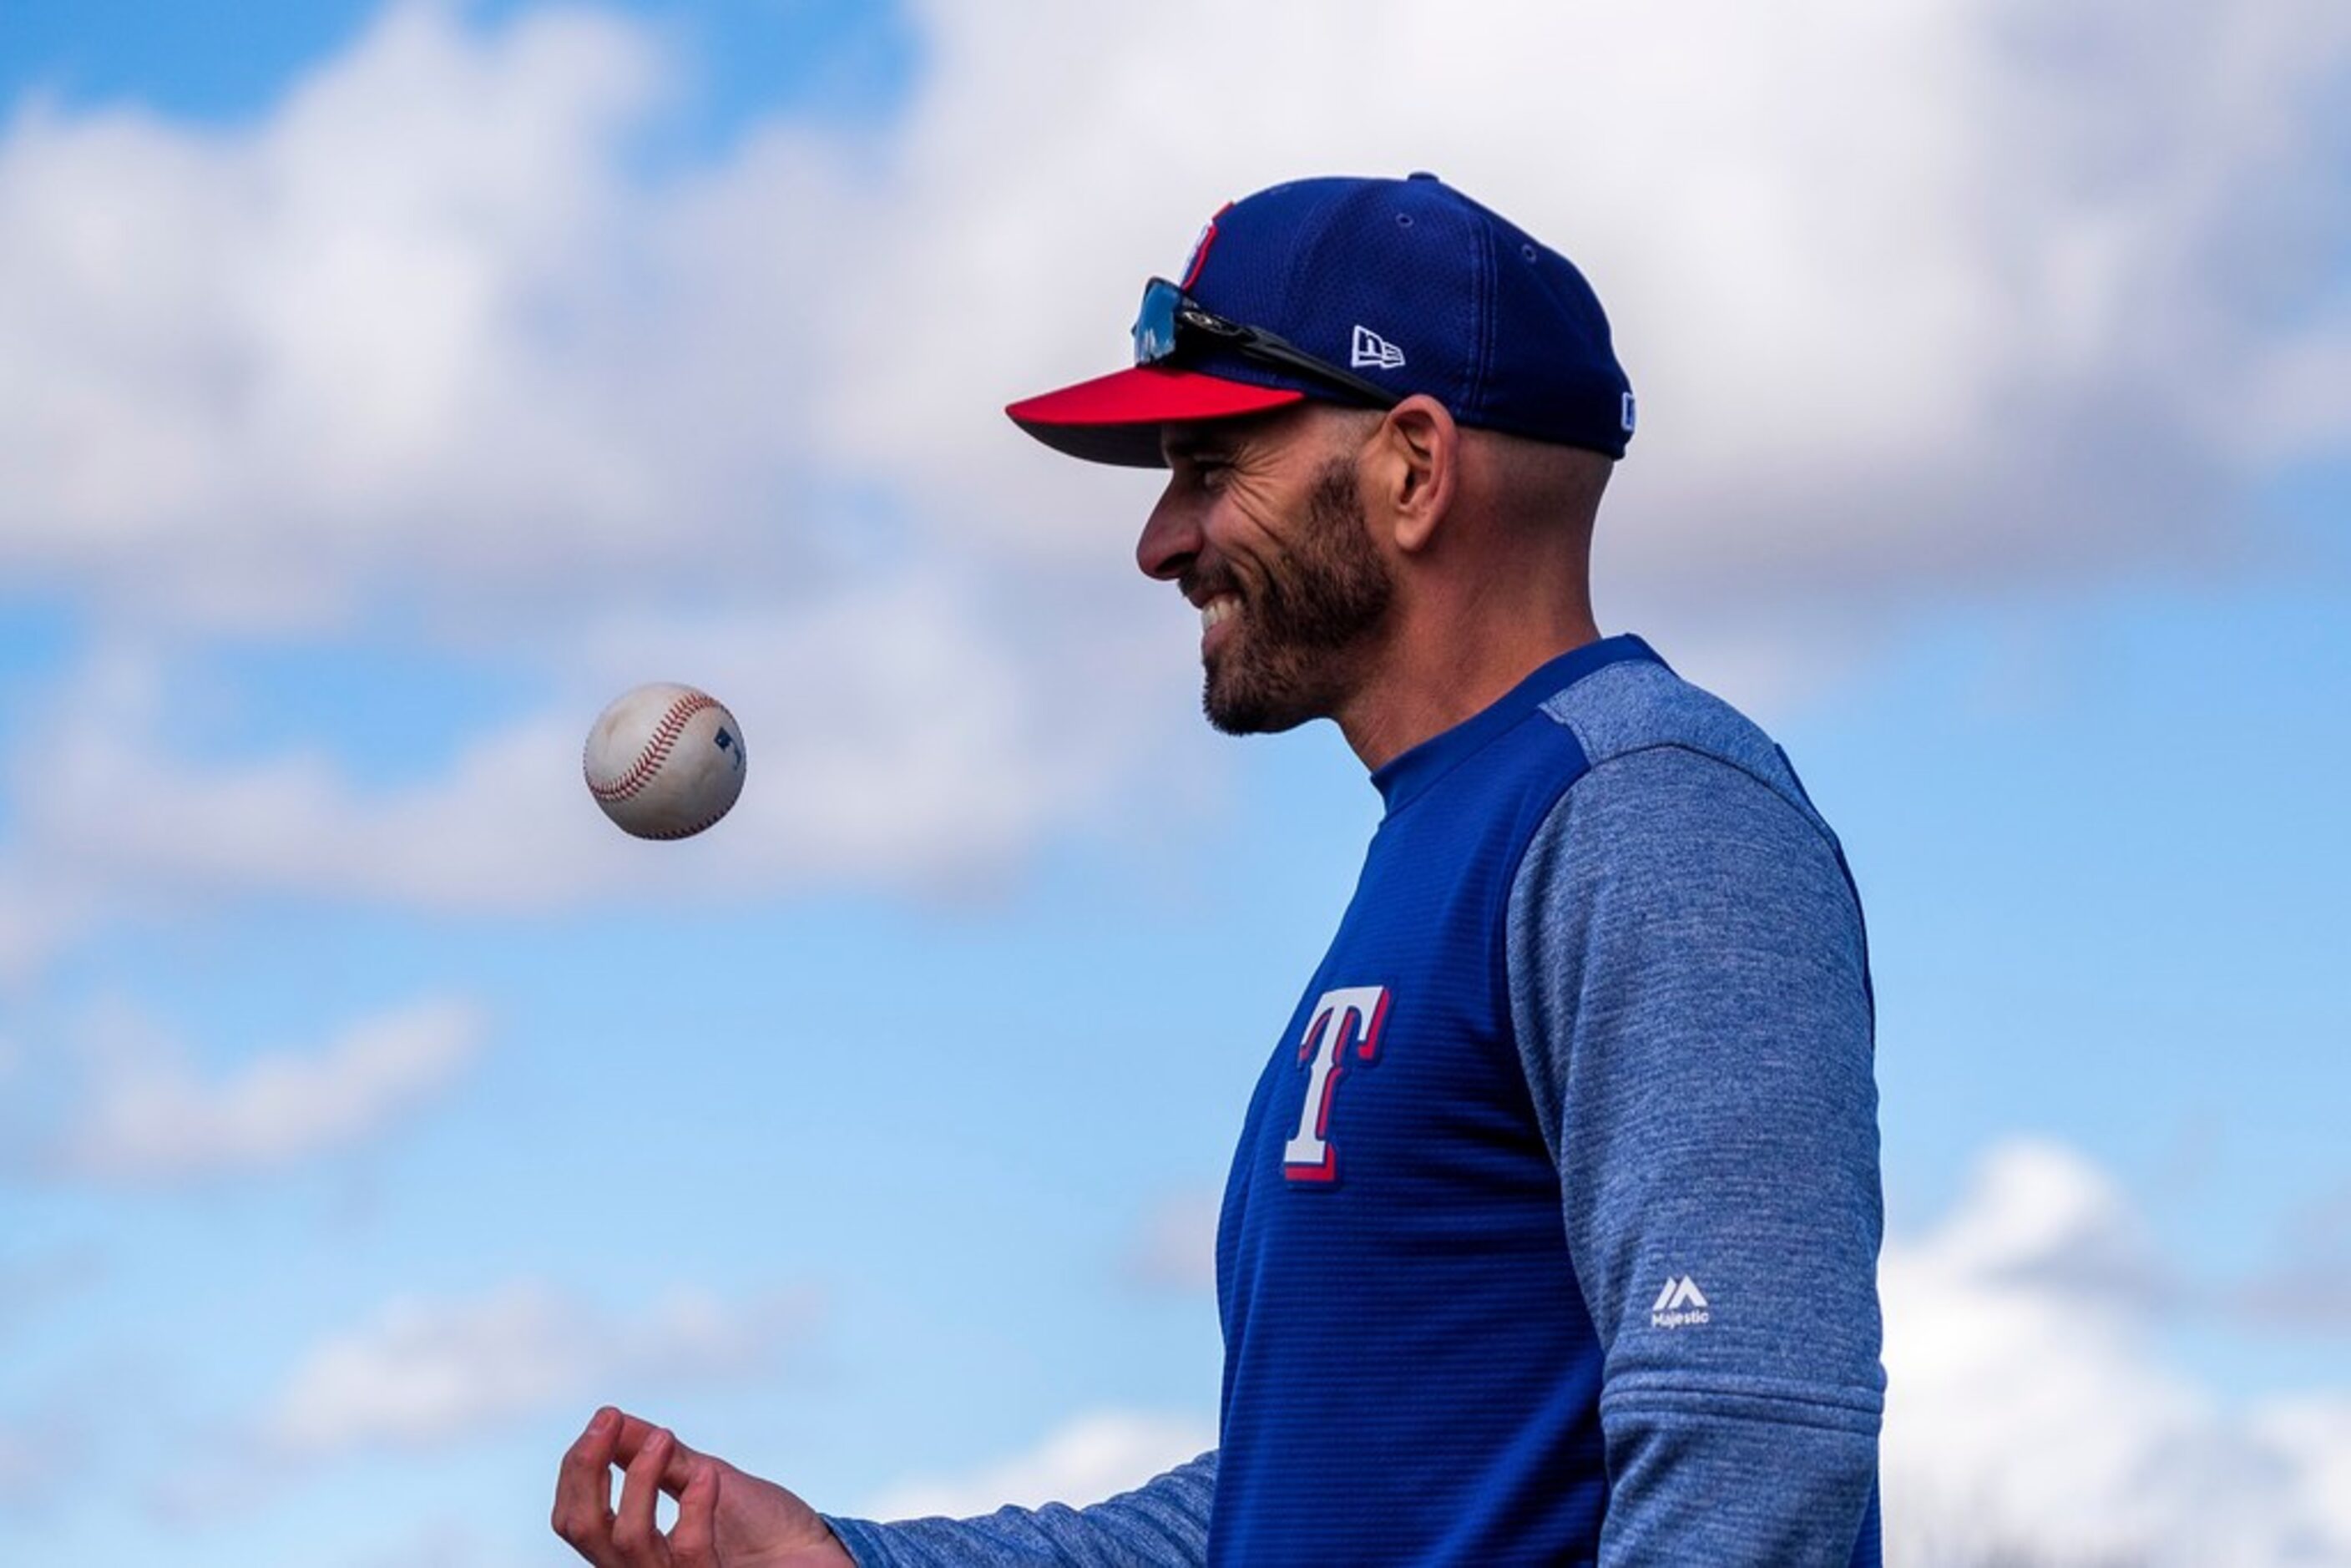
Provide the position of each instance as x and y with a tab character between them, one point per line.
1551	1235
1410	1375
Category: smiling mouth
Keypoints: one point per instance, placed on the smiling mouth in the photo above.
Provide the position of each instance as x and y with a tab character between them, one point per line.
1219	609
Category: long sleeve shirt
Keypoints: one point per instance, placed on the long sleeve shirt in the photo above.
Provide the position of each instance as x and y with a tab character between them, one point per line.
1551	1234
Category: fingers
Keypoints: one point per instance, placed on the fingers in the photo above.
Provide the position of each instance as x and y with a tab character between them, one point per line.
632	1436
635	1536
694	1539
583	1490
653	1461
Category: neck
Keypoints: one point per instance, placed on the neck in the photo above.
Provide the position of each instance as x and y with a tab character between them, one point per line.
1439	670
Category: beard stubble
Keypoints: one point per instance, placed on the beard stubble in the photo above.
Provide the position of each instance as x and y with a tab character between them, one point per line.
1308	622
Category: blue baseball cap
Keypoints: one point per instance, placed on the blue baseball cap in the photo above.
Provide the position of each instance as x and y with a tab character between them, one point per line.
1358	291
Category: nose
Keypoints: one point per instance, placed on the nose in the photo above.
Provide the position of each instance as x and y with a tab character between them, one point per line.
1171	536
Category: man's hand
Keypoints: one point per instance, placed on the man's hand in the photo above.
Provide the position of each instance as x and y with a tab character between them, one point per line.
726	1519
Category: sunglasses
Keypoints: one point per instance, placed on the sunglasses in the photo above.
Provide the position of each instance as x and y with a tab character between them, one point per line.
1169	317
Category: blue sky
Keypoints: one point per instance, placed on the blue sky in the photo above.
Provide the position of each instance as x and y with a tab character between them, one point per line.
381	390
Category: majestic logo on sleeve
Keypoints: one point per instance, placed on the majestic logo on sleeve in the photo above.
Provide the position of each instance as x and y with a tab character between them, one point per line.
1679	1305
1345	1023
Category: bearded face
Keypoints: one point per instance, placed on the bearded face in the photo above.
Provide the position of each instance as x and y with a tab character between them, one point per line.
1302	620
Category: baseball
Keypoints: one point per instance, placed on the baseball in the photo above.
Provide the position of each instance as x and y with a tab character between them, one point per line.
664	760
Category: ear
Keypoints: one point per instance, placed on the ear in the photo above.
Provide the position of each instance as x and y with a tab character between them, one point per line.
1414	468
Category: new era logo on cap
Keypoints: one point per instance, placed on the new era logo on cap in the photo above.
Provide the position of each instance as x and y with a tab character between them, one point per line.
1375	351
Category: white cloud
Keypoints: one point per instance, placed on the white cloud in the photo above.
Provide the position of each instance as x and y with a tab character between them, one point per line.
304	341
2032	1415
2031	1410
1913	294
1918	299
1907	290
2029	1406
149	1116
890	740
424	1373
1088	1458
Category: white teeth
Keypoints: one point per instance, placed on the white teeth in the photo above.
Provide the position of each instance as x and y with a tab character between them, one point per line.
1216	609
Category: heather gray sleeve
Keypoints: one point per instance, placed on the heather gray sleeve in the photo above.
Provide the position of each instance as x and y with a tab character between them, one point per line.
1689	985
1164	1521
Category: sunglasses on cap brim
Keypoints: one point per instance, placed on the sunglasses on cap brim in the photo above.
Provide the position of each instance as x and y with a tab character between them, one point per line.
1171	320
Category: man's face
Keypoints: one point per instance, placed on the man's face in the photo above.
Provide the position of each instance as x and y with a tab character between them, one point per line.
1263	527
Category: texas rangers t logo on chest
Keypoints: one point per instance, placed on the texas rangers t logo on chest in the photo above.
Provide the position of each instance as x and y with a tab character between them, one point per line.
1344	1019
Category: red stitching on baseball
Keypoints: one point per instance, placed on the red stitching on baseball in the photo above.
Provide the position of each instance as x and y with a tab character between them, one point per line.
657	752
685	832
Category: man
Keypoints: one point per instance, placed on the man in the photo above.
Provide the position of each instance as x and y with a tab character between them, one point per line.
1552	1231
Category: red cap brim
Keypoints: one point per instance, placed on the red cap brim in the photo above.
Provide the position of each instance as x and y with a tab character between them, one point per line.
1116	418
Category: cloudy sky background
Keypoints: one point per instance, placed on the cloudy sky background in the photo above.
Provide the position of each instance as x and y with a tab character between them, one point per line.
384	388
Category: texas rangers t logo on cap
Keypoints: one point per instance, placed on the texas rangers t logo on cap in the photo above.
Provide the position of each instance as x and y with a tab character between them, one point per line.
1191	273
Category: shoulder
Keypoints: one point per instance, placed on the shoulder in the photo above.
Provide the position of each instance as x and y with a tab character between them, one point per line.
1638	724
1678	789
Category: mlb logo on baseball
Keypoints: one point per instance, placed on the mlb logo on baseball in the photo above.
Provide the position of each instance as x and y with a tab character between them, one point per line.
665	761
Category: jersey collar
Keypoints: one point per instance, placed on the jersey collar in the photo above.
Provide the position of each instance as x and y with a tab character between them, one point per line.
1408	775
